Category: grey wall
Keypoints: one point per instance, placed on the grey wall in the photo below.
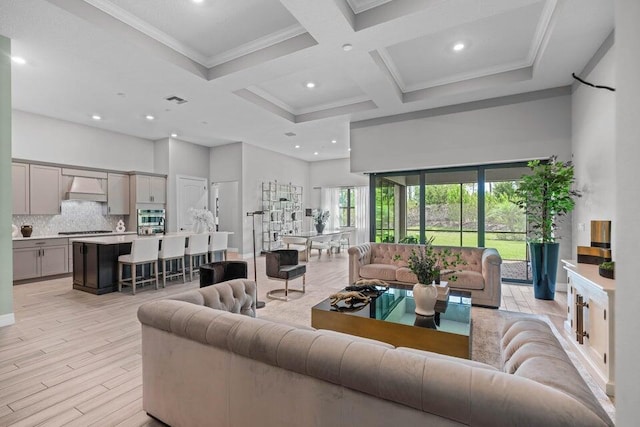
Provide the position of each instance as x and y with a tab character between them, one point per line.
226	167
332	173
258	166
37	137
524	130
627	202
593	139
6	251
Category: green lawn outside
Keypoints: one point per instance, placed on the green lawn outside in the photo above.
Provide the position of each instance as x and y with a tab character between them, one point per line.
508	249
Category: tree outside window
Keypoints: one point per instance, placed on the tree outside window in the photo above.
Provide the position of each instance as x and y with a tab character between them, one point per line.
347	207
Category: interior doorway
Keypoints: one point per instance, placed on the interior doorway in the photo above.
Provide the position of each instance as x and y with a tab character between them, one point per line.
191	192
226	207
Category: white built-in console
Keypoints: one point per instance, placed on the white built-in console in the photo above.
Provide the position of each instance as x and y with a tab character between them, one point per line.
590	319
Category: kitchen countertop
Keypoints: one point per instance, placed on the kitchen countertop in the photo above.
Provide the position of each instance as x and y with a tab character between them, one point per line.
73	236
114	240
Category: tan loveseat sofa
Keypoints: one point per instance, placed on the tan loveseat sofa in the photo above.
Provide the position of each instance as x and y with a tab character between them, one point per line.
388	261
205	364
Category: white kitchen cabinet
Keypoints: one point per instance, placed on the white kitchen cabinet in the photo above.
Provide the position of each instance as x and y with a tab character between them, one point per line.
45	183
40	258
20	186
117	194
590	319
150	189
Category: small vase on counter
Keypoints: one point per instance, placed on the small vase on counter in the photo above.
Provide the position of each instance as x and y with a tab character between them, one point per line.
26	230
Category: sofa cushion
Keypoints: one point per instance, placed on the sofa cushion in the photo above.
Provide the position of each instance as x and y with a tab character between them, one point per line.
328	332
432	355
404	274
467	280
378	271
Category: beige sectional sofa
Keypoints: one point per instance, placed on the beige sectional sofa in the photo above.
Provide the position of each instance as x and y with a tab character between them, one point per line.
206	364
388	261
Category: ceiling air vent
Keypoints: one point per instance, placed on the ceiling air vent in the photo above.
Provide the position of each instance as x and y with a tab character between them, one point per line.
176	99
290	134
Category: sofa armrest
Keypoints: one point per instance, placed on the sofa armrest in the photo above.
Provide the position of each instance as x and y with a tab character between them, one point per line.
491	265
358	256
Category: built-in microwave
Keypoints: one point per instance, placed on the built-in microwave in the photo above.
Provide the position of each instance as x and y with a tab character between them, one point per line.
151	221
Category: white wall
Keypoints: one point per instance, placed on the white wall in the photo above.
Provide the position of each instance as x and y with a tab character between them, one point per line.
184	159
519	131
6	249
332	173
627	235
226	167
258	166
593	141
45	139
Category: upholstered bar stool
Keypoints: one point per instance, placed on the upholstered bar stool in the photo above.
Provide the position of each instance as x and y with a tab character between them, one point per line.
218	242
197	248
283	264
143	251
172	248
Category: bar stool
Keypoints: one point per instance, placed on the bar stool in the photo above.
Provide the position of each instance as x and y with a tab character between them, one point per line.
197	247
143	251
172	248
219	242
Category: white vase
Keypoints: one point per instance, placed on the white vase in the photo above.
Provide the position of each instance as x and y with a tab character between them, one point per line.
425	297
199	227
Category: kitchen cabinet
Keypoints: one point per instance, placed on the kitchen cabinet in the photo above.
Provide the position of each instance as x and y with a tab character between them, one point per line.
40	258
20	185
95	266
117	194
590	320
150	189
45	187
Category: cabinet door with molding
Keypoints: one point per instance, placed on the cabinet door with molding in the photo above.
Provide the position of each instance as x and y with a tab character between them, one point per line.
158	189
118	194
44	190
54	260
26	263
20	184
143	189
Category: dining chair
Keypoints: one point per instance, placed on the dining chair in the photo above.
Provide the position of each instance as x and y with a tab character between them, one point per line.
282	264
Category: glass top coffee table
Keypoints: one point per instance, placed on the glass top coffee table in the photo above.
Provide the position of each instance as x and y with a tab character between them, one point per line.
390	318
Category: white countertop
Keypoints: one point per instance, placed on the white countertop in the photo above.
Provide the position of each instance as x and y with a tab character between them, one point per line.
114	240
73	236
590	273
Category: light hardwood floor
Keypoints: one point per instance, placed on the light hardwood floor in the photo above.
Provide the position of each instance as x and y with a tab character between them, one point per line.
73	358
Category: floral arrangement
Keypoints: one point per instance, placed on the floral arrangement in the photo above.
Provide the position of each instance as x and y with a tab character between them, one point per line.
202	218
320	217
426	263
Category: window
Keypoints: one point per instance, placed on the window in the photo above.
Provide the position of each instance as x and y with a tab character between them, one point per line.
347	207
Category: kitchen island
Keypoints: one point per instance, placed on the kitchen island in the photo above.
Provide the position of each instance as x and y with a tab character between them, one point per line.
95	260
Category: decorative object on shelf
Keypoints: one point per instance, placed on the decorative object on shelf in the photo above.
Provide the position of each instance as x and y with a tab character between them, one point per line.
15	231
120	228
320	219
426	263
600	249
607	269
350	298
202	220
282	207
26	230
544	196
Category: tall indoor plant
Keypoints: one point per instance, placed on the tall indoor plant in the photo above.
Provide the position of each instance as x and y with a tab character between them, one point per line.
545	195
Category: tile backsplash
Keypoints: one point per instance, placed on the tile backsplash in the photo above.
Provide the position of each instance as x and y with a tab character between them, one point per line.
76	216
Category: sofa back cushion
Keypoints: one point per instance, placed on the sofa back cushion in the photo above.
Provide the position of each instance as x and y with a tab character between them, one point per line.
234	296
398	254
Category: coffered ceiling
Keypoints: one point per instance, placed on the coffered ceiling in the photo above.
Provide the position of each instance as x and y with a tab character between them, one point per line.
243	65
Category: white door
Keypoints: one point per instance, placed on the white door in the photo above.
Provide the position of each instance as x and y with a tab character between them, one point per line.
191	193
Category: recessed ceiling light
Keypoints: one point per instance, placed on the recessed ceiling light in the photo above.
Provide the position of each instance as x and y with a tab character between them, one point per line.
458	47
315	153
333	141
347	47
149	117
18	60
297	146
96	117
198	1
310	85
174	135
349	148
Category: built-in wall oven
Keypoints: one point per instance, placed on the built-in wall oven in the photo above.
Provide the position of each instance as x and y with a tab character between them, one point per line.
151	221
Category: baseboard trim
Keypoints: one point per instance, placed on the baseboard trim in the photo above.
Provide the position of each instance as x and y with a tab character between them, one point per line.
7	319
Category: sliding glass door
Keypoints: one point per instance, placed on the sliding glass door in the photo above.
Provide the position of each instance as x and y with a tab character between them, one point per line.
467	206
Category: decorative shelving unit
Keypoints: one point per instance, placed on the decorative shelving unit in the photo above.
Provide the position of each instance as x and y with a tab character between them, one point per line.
283	213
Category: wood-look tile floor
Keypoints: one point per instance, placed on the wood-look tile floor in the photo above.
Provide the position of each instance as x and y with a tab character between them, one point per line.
73	358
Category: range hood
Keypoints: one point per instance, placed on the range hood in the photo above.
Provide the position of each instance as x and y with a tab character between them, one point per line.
83	188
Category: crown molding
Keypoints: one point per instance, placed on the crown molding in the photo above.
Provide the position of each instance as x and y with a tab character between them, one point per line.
361	6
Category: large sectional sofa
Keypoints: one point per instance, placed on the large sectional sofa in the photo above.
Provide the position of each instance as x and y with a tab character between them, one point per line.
480	274
208	361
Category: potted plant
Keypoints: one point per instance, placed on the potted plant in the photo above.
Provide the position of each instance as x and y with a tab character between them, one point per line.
607	269
545	195
426	263
320	219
